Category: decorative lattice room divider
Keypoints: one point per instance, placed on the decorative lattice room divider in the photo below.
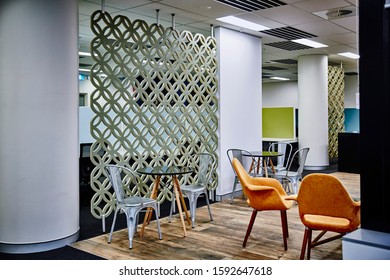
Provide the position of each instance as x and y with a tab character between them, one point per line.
154	101
335	107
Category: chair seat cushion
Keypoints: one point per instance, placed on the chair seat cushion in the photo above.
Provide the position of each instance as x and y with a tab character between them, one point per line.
136	201
328	223
285	172
192	188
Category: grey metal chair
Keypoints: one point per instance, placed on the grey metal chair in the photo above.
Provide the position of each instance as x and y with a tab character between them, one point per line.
238	154
293	175
282	161
202	164
128	199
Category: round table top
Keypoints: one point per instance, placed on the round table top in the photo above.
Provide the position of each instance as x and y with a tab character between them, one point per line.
164	170
263	154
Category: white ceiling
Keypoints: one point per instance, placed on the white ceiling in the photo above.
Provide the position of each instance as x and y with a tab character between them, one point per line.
339	33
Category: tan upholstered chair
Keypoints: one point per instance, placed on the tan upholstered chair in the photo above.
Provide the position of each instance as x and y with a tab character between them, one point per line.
324	204
263	194
238	154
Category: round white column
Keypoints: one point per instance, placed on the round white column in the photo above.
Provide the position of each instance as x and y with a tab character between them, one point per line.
313	109
39	188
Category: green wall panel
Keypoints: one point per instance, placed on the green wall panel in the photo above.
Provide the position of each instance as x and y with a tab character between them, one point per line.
279	122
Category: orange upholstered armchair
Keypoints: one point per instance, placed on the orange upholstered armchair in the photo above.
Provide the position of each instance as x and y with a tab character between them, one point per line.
324	204
263	194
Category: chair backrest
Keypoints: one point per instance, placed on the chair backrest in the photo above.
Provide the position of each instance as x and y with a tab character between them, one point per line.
241	173
324	194
300	156
282	147
262	193
117	175
238	154
205	168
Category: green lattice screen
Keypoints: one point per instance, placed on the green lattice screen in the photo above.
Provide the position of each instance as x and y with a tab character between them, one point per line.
154	100
335	107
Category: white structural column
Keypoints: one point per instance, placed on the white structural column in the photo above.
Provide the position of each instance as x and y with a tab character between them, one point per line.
240	100
313	109
39	191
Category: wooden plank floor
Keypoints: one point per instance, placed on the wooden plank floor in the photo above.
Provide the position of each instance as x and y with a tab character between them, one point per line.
222	238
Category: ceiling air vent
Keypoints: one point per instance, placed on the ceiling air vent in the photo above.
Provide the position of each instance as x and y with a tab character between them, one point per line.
266	75
333	63
286	61
273	68
351	74
288	46
337	13
252	5
288	33
85	65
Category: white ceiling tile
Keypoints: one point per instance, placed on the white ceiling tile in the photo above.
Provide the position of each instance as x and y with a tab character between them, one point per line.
320	5
288	15
321	28
350	23
344	38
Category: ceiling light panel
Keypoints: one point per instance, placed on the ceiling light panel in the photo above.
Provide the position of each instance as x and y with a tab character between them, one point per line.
349	55
279	78
252	5
310	43
242	23
288	33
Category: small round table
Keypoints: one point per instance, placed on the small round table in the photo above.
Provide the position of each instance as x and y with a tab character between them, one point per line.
173	171
262	155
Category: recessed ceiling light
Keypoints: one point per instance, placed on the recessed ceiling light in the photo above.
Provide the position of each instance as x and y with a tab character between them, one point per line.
84	54
309	43
243	23
350	55
279	78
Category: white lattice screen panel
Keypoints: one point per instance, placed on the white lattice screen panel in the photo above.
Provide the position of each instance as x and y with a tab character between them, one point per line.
154	100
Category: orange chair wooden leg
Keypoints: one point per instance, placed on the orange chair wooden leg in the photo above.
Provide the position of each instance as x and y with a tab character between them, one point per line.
309	235
250	226
304	243
283	215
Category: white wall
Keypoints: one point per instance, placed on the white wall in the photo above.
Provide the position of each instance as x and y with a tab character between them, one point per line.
240	98
351	88
86	86
285	94
281	94
85	113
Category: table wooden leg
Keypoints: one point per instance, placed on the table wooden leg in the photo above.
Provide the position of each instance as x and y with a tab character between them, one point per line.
148	213
252	167
265	167
180	202
183	203
258	165
272	165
